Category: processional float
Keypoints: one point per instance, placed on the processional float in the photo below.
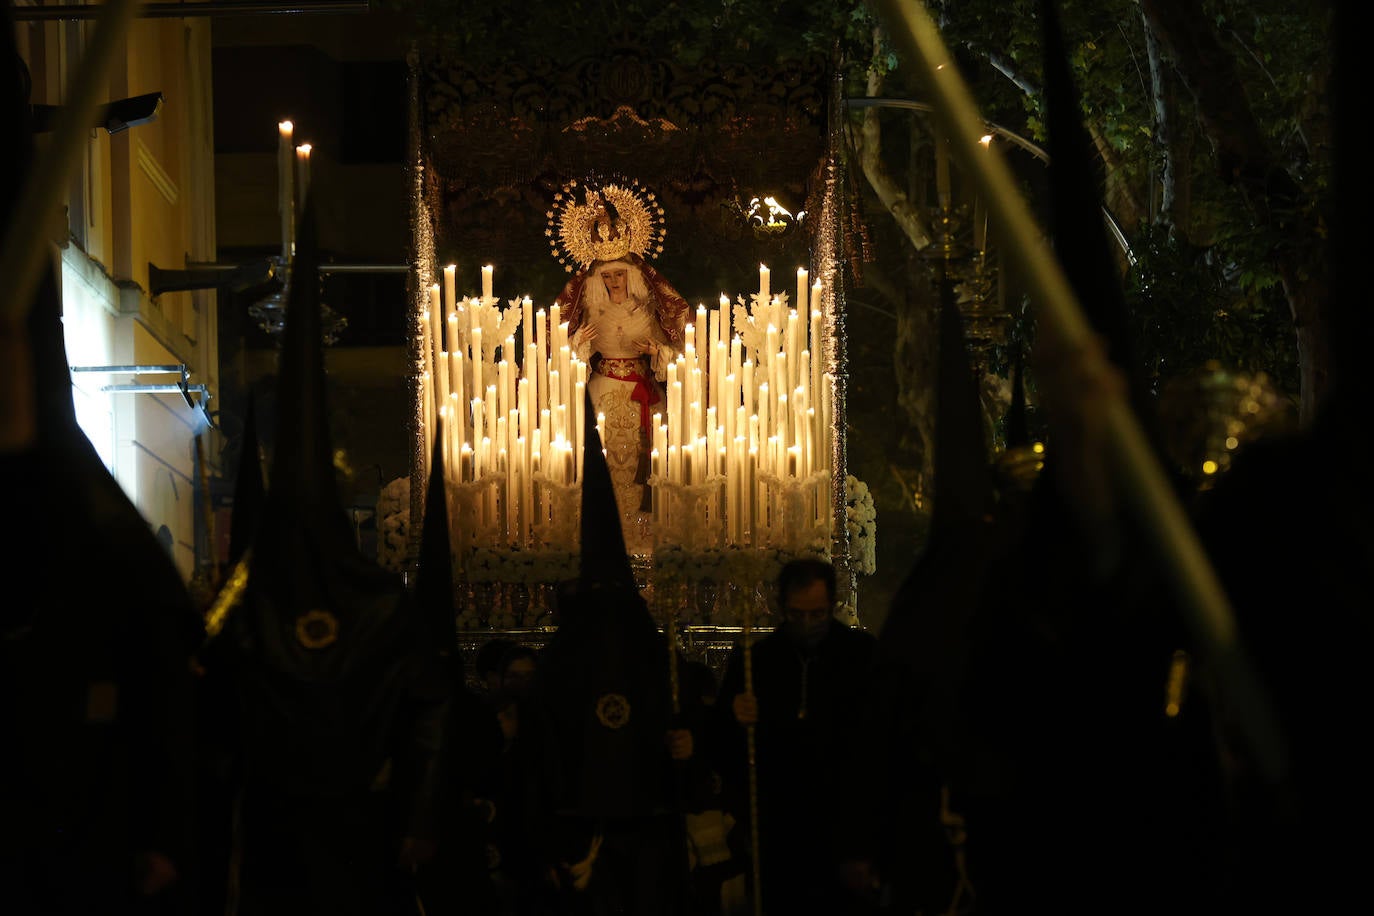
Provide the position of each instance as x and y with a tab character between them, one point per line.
747	469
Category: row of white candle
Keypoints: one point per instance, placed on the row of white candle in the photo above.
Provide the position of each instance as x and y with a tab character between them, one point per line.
290	194
508	420
732	417
750	417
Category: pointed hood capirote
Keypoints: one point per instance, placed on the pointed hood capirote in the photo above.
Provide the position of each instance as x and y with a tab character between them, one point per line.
434	575
603	677
925	628
1081	243
605	563
304	486
330	646
98	628
316	606
963	483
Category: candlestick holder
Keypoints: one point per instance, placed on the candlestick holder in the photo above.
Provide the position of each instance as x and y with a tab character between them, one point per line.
975	289
949	226
562	523
695	510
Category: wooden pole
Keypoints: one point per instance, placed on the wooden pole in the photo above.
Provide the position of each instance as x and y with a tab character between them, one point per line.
752	758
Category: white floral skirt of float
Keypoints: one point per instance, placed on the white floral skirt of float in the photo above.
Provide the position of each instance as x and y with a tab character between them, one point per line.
622	444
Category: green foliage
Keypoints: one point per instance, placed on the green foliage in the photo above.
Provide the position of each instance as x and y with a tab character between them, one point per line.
1190	304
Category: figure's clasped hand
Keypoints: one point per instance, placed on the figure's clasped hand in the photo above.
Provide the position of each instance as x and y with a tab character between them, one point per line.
646	346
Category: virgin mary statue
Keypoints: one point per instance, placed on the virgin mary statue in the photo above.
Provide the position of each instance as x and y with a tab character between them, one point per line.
626	321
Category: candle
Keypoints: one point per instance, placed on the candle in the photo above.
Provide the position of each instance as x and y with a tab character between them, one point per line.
508	356
729	404
484	459
794	346
812	459
522	477
980	209
732	496
764	429
478	423
802	300
660	437
523	407
477	385
487	296
748	393
565	368
303	164
451	291
503	388
286	197
770	349
532	374
750	497
698	395
816	296
719	370
763	283
489	404
474	310
457	397
434	316
526	327
541	344
782	415
713	440
677	422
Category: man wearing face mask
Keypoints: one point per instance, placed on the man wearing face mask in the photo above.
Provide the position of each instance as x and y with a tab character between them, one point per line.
809	677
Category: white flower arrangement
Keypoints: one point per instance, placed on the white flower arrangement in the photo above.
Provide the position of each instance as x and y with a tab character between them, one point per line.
861	518
523	567
393	524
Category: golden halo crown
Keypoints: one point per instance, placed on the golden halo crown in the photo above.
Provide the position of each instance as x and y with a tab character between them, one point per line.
597	219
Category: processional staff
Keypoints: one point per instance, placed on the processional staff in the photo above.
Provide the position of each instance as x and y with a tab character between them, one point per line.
674	685
748	634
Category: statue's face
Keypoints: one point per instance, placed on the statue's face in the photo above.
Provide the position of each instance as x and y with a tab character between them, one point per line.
617	282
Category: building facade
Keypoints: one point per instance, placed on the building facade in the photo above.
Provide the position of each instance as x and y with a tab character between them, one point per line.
145	365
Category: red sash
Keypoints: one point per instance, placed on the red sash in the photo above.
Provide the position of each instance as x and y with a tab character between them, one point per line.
645	393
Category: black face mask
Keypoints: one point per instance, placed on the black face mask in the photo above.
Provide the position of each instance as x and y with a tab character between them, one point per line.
809	634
